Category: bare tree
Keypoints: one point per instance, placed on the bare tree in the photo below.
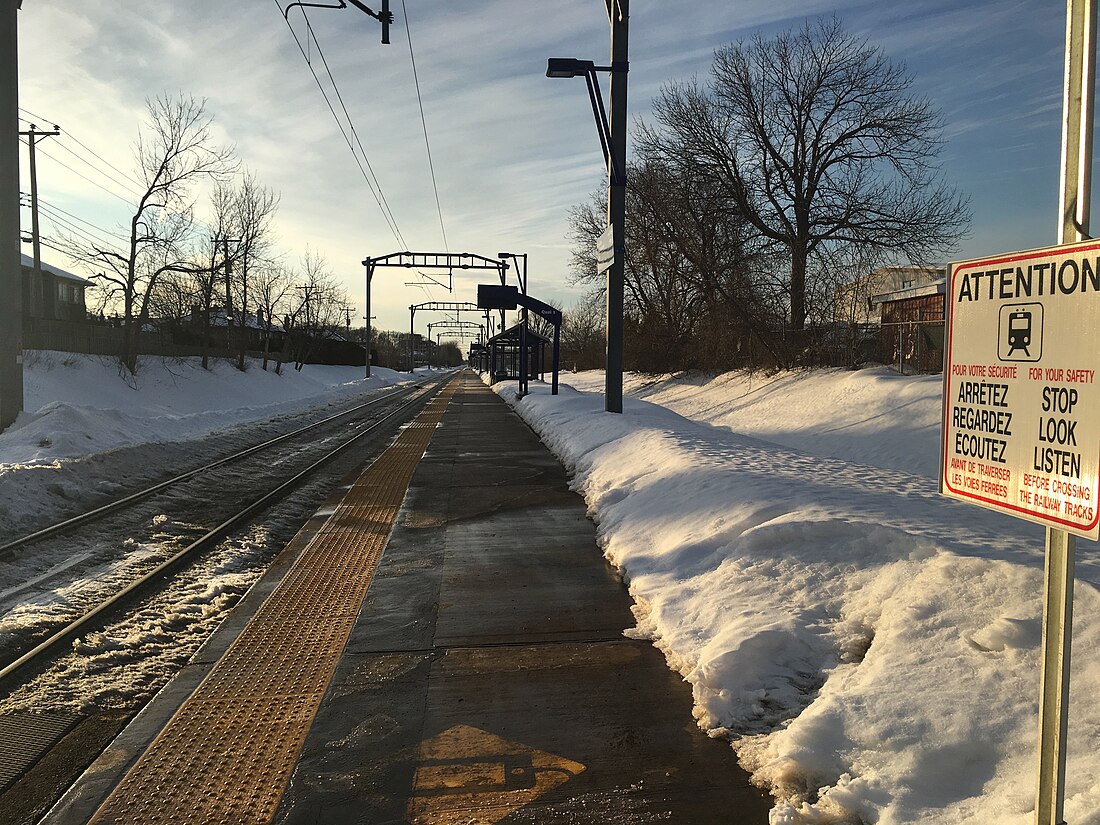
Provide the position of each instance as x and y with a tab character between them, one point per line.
692	264
817	140
175	150
254	208
318	313
272	284
656	297
209	277
582	333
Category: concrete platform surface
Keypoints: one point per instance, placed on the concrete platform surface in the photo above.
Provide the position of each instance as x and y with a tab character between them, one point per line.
488	679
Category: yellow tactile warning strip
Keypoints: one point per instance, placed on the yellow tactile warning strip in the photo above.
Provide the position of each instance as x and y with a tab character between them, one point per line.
228	753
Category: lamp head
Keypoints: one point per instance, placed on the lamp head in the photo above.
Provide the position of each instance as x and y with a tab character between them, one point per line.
567	67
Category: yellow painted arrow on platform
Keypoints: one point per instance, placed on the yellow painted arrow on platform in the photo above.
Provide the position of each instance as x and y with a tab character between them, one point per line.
471	776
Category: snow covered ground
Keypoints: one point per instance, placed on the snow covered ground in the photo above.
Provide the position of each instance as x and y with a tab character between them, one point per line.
93	433
91	429
870	648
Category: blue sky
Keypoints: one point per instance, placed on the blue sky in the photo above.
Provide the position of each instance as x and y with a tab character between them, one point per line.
512	149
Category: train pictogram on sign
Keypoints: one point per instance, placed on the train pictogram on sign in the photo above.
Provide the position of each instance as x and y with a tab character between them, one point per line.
1020	333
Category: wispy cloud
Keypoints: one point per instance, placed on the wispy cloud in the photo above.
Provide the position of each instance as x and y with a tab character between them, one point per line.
513	150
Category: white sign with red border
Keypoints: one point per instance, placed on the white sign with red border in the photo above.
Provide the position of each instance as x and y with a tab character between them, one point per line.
1021	407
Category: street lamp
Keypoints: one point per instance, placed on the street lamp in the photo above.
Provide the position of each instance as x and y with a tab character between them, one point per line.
571	67
567	67
613	142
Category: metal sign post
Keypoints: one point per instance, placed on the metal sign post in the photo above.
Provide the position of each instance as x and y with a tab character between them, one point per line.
1021	429
1073	221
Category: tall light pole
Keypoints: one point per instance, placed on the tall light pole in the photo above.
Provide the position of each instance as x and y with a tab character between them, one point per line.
618	12
613	142
11	271
521	276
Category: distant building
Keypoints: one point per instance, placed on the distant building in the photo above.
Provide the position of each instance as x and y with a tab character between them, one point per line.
855	301
56	296
911	326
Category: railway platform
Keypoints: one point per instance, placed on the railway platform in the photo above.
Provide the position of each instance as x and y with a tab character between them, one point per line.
442	643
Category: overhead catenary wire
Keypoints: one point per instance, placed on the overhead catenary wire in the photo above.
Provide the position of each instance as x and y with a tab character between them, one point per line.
424	124
374	187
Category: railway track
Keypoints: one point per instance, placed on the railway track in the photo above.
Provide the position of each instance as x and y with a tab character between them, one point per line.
50	734
8	548
26	648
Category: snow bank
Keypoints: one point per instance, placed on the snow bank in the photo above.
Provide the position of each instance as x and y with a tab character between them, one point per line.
79	404
65	451
870	648
873	416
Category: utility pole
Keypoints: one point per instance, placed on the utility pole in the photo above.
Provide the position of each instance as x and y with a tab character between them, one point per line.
228	291
618	13
305	290
48	297
11	271
244	307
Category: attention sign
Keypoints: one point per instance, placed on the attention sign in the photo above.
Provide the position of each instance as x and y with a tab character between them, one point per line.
1021	426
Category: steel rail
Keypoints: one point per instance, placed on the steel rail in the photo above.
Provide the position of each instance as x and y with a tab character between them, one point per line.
214	535
140	495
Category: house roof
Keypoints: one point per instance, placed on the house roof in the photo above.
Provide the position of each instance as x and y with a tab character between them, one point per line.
217	319
938	287
28	263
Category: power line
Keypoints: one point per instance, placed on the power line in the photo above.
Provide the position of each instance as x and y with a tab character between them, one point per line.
52	212
76	234
351	124
90	165
94	226
47	243
38	118
68	134
424	124
85	177
386	214
48	212
131	178
127	201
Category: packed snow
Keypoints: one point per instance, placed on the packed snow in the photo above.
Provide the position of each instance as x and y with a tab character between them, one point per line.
90	428
869	648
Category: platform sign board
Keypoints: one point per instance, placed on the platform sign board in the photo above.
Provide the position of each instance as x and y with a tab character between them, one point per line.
491	296
1021	426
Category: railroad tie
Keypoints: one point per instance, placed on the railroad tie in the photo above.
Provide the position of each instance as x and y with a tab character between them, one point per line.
227	754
